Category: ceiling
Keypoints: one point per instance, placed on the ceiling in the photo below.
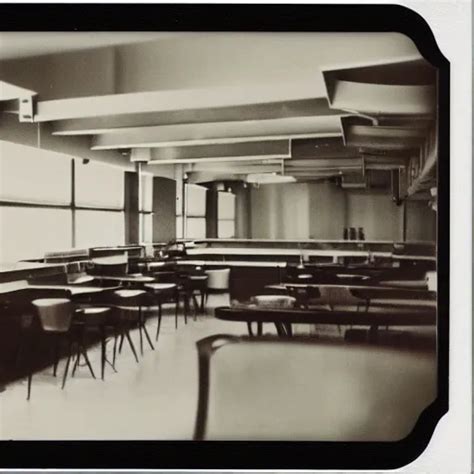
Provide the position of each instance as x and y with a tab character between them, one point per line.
14	45
313	107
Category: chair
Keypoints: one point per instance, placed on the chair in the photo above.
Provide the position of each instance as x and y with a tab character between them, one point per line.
171	277
98	319
161	292
218	279
300	390
55	320
189	283
129	303
110	266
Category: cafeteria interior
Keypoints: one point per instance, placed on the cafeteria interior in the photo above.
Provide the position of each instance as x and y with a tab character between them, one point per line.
201	240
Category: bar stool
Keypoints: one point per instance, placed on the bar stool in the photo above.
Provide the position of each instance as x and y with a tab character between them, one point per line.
162	291
55	318
195	283
97	318
126	301
173	277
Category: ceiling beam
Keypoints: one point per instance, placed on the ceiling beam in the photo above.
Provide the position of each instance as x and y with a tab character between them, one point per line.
263	149
169	100
383	98
272	110
221	132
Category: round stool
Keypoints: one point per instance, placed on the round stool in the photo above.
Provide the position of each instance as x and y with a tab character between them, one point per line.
198	283
98	317
159	291
125	300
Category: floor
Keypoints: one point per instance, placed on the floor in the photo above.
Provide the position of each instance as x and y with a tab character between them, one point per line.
155	399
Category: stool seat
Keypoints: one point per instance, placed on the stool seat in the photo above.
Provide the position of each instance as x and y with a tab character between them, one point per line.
93	316
198	277
152	265
49	302
129	293
55	314
160	286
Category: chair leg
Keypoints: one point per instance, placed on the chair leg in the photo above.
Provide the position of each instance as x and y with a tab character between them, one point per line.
116	336
140	330
130	342
76	362
67	364
176	308
259	329
186	307
160	310
196	305
102	352
122	337
203	293
56	356
249	327
148	338
88	362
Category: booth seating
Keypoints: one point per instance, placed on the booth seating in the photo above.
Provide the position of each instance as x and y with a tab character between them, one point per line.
313	390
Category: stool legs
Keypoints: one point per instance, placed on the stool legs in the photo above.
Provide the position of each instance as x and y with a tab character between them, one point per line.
69	354
141	323
158	300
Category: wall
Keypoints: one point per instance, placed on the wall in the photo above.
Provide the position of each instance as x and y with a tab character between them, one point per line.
322	210
164	208
380	217
421	221
280	211
327	211
242	211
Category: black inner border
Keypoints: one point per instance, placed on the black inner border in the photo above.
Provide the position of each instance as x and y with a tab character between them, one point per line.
269	18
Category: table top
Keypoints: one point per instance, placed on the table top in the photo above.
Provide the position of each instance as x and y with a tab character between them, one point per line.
280	251
22	266
75	290
126	278
350	286
375	317
221	263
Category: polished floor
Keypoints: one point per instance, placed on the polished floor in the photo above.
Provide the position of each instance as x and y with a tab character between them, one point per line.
154	399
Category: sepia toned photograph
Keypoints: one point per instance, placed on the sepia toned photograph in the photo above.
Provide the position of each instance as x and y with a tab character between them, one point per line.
218	236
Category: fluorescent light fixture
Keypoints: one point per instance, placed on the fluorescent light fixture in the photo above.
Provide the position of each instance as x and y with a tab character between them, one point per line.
269	178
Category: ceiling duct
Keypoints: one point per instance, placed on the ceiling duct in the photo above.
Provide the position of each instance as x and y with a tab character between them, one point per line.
353	181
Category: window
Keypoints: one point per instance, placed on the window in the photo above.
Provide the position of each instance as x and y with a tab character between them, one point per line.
195	212
30	232
35	213
99	204
225	215
99	185
25	175
99	228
